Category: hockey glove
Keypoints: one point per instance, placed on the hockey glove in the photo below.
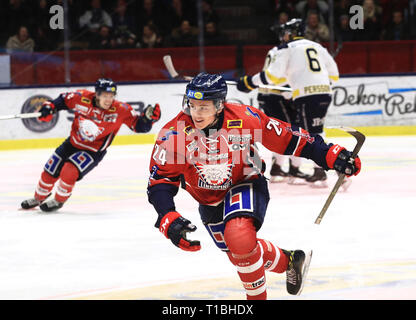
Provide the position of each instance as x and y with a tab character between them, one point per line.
152	113
175	227
341	160
245	84
47	110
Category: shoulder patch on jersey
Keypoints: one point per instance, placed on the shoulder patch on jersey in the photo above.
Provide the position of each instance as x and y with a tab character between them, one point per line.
168	134
251	113
237	123
85	100
112	109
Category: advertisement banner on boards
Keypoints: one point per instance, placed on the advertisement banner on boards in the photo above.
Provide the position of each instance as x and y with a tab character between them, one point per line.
356	101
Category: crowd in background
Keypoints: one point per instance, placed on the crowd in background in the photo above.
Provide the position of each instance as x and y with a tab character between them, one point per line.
119	24
383	19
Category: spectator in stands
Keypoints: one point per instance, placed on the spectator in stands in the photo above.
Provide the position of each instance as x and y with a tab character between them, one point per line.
372	21
150	37
397	29
343	32
208	13
94	18
288	6
103	39
320	7
342	8
14	14
149	12
176	12
185	35
123	21
43	42
126	40
213	37
315	30
20	42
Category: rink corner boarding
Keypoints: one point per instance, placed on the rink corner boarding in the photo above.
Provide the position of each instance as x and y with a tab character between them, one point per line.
375	105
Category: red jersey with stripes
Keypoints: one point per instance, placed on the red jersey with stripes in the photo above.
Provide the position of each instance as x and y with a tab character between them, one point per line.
108	121
209	165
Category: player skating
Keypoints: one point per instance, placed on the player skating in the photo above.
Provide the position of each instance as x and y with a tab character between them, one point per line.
209	149
98	118
309	70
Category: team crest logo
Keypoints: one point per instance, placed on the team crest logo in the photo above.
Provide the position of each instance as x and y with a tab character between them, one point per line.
214	176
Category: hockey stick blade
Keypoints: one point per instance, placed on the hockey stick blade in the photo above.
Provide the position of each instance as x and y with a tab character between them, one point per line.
360	141
167	60
21	116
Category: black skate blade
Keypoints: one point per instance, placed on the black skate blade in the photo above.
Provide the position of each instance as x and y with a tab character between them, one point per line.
305	270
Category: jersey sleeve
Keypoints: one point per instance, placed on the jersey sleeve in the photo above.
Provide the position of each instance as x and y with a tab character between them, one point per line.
66	100
275	72
330	65
287	139
166	168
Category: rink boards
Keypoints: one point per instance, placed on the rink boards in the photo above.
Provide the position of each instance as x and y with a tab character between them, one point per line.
376	105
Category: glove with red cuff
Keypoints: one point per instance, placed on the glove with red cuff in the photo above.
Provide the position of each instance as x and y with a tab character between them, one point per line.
341	160
47	110
175	227
152	113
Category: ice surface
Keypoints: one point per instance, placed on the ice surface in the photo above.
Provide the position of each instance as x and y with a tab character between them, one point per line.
102	244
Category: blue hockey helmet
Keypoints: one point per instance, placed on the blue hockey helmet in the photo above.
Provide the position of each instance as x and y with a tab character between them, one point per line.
206	87
105	85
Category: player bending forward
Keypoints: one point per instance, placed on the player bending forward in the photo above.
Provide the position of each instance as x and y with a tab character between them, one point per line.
209	149
98	118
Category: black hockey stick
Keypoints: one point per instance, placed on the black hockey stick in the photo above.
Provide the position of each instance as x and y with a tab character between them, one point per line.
167	60
360	141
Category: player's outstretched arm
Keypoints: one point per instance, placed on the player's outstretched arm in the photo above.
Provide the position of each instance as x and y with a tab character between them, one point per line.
149	116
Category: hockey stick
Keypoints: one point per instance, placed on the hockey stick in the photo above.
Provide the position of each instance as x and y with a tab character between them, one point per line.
360	141
167	60
21	116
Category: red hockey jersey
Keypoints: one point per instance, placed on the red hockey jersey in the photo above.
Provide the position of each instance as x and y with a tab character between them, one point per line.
208	166
108	121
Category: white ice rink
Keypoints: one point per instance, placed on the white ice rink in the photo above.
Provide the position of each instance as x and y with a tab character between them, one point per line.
102	244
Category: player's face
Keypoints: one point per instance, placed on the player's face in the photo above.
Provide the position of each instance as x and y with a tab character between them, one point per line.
203	112
105	99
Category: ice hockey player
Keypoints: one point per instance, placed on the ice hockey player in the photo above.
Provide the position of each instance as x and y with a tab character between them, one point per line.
98	118
278	104
309	70
209	149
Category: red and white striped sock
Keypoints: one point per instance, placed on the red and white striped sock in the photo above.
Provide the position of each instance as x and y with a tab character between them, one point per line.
45	186
273	257
68	177
251	272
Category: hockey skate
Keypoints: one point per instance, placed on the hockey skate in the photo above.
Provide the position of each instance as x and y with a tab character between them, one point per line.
296	177
30	203
318	178
277	175
51	205
297	270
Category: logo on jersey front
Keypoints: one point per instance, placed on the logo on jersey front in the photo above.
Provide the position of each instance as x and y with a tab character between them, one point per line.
214	176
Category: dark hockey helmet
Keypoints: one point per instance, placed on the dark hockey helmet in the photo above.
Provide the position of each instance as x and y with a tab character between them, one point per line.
295	28
205	87
279	30
105	85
